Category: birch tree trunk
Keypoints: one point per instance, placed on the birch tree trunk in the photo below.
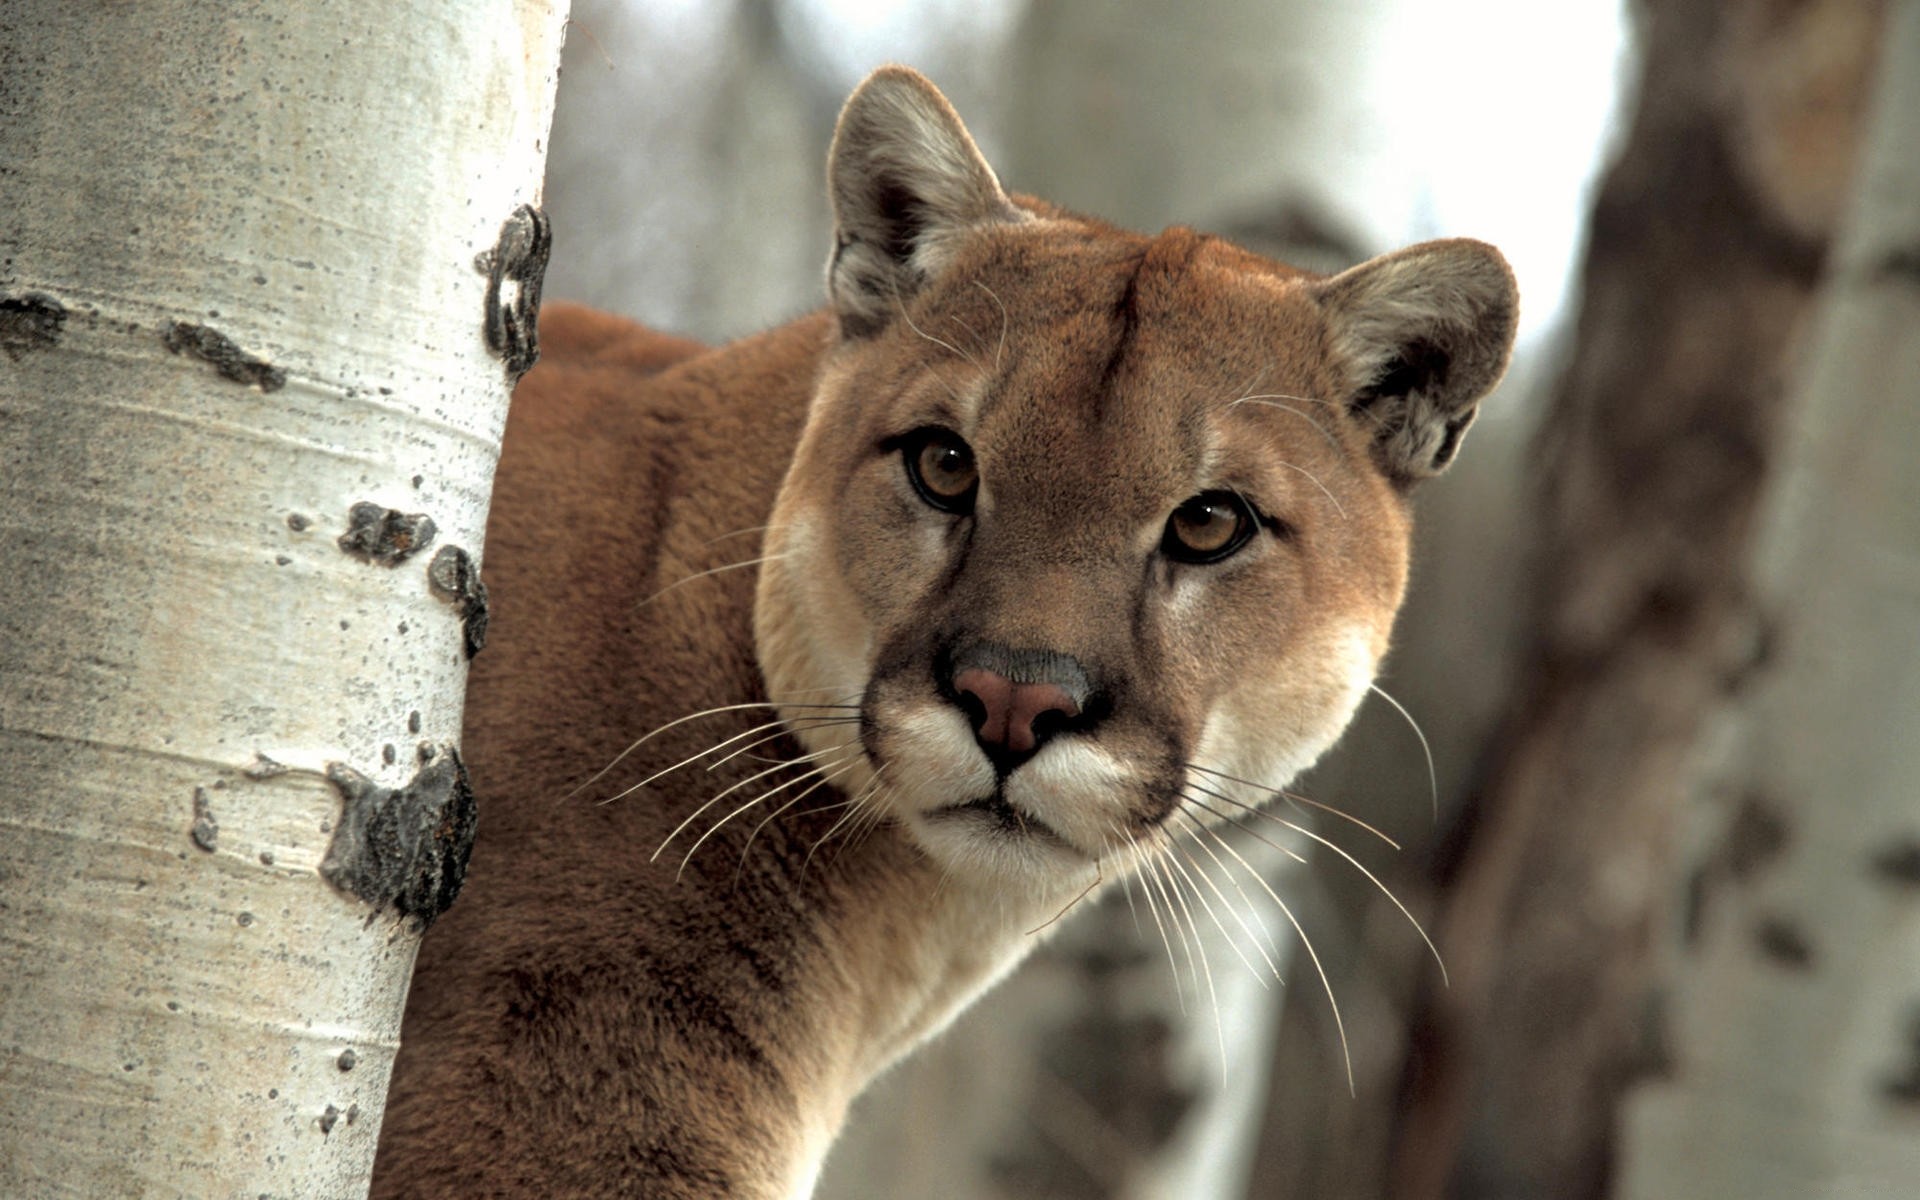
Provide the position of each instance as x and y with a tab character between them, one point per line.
1710	244
252	381
1796	1016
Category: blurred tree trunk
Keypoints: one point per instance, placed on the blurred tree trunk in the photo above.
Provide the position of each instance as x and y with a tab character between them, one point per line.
687	168
1708	250
1796	1015
266	275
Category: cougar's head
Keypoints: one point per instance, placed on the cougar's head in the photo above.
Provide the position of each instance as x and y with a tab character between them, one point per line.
1103	533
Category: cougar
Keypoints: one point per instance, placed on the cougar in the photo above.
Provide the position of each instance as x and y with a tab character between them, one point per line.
828	665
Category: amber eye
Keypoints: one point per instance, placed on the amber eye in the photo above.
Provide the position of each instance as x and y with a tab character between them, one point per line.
1208	528
941	468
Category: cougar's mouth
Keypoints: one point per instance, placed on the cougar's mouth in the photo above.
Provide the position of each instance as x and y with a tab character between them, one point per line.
997	814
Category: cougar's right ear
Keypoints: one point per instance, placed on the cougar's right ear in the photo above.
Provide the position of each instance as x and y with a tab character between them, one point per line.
1422	333
906	181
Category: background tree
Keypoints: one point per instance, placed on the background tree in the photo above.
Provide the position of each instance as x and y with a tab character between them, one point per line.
1711	243
266	276
1792	948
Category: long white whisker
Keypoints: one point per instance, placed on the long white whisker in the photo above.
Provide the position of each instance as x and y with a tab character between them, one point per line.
810	723
1293	798
735	566
1218	924
690	759
1164	879
1433	777
869	817
695	716
1126	874
908	318
727	791
1153	909
1315	480
1269	401
1326	984
762	798
1001	349
853	810
1200	943
734	533
827	776
1303	831
1265	938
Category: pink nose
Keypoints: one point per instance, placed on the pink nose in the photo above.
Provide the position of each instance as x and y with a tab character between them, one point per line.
1005	714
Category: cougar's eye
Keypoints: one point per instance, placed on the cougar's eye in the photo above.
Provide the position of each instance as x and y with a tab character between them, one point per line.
941	468
1208	528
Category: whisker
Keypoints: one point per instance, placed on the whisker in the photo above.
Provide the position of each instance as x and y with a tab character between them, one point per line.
908	318
1163	879
826	777
978	345
1002	347
1296	799
1098	875
1265	939
1326	984
1205	904
1153	909
734	533
1293	798
1270	399
1219	1022
1126	875
705	712
691	758
751	562
853	809
1433	778
869	818
1303	831
727	791
1315	480
717	747
762	798
811	723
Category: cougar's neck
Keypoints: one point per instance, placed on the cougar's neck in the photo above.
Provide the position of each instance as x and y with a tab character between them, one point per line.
905	948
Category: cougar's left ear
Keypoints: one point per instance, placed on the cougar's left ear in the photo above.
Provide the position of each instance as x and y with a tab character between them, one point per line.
906	181
1422	334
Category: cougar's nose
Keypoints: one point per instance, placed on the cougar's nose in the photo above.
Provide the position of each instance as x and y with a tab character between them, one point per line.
1016	699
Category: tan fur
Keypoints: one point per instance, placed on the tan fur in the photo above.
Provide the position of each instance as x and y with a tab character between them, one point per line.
587	1022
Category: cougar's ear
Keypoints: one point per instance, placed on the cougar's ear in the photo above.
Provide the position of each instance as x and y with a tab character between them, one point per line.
906	180
1422	334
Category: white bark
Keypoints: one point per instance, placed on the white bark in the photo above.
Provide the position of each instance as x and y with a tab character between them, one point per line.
1797	1055
238	295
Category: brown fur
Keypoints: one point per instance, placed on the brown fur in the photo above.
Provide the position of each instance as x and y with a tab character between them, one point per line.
585	1023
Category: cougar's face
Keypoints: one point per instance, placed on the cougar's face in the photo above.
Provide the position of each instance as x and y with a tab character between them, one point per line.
1083	541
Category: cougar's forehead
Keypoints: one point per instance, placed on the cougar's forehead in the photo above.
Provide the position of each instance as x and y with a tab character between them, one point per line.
1178	365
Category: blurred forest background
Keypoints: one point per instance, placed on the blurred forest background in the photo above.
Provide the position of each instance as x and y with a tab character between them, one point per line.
1664	638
